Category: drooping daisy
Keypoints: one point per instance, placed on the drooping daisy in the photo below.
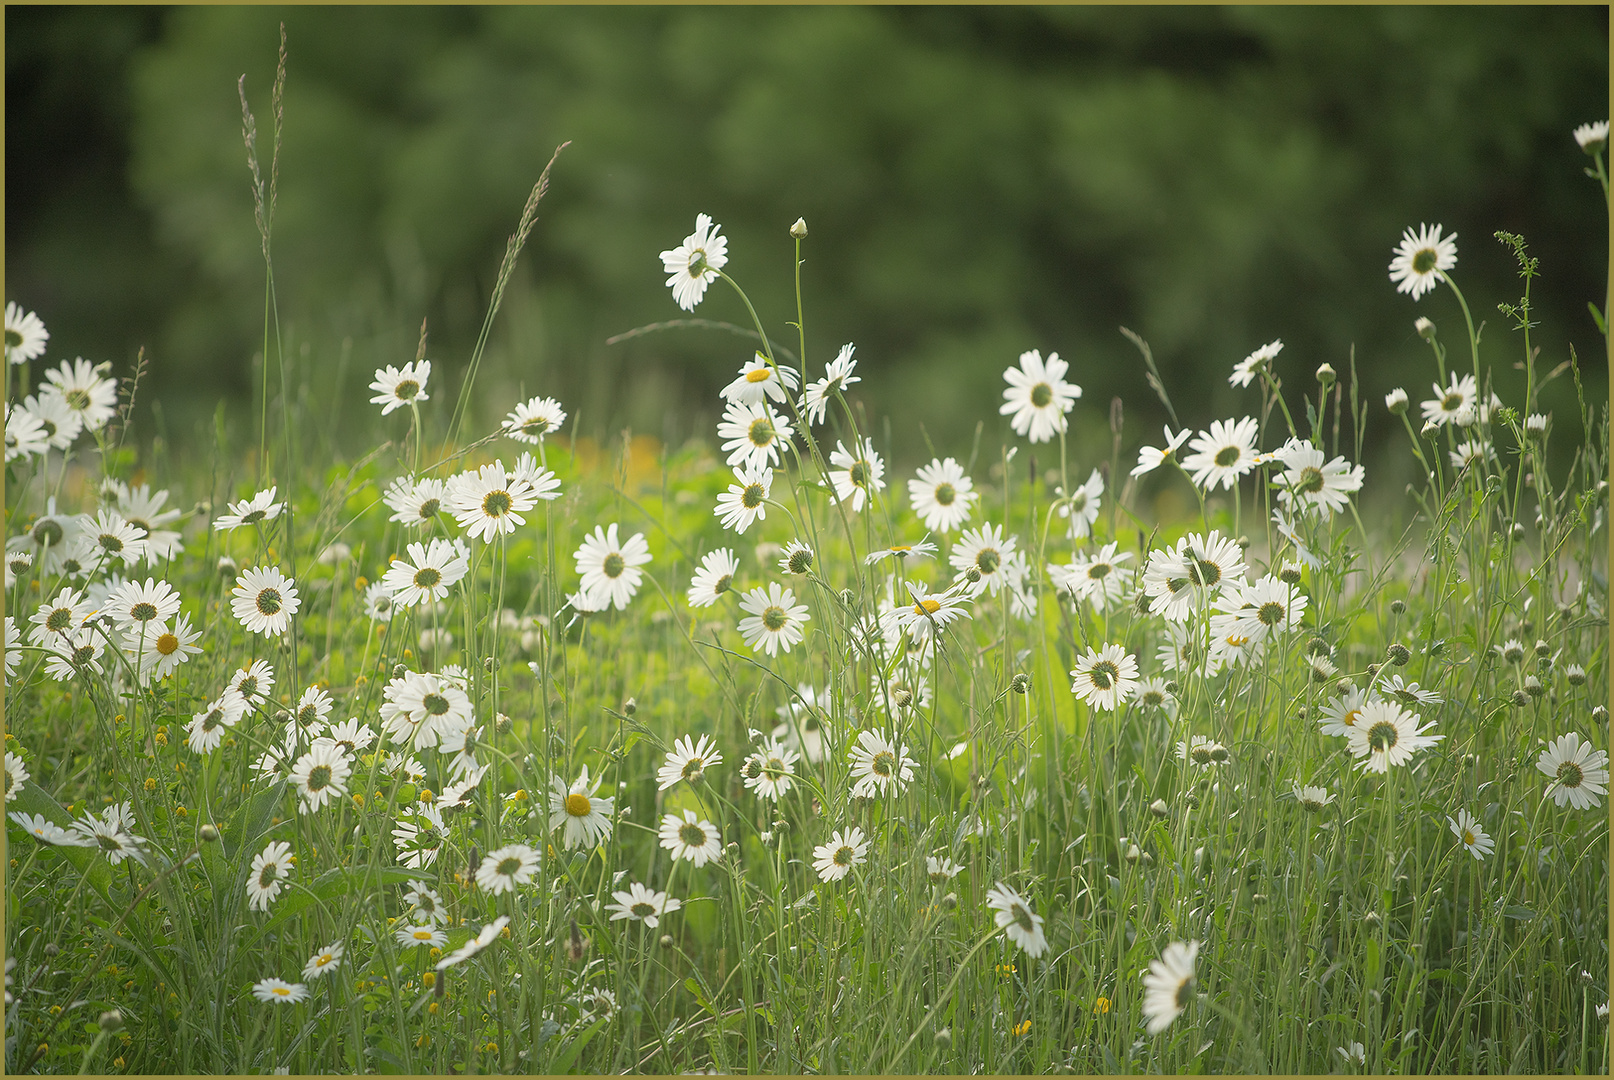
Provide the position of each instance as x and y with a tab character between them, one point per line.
534	418
984	550
416	502
113	834
942	494
940	869
458	746
25	335
485	937
279	991
770	771
398	387
922	550
270	869
419	834
1455	404
1038	396
1201	751
25	434
586	816
642	903
745	502
428	573
1579	774
320	776
323	962
880	766
79	654
835	859
1105	678
86	390
695	263
1169	984
687	760
610	567
1312	798
594	1004
774	619
505	869
1098	579
1083	505
264	600
1385	736
837	377
43	829
1223	454
206	728
1307	482
62	425
796	559
1421	260
417	934
1467	830
691	838
857	473
1353	1052
1151	458
16	775
488	502
753	435
714	578
1015	918
1245	371
759	380
261	507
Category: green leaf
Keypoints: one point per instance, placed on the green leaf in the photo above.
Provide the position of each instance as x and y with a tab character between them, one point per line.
1597	317
1514	911
564	1062
334	883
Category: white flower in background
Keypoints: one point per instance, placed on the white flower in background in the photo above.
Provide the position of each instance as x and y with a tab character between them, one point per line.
279	991
419	834
1168	985
533	419
835	859
941	494
320	776
86	391
774	619
1312	798
802	722
540	482
1467	830
62	425
758	380
416	502
745	502
771	770
694	264
506	869
984	550
261	507
880	766
857	473
1105	678
1384	736
610	567
323	962
1151	458
1455	404
691	838
837	377
924	549
1245	371
1591	138
688	760
753	435
940	869
26	334
144	509
1083	506
395	388
267	877
585	815
378	603
714	578
1307	482
1408	694
1014	917
1154	693
485	937
1098	579
1223	454
489	501
264	600
426	903
642	903
1472	452
1201	751
1038	396
1396	401
25	434
428	573
1421	259
1260	610
1579	774
1353	1052
112	834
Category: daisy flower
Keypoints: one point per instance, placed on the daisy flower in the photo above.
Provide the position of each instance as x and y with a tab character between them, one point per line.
1015	919
426	902
695	263
1245	371
489	501
270	869
418	834
929	613
13	643
482	940
610	568
16	775
323	962
279	991
254	680
1168	985
541	483
43	829
835	860
313	706
940	869
771	770
691	838
85	389
1223	454
837	377
942	494
1083	505
753	434
25	434
264	600
1151	458
110	537
1354	1051
758	380
416	502
378	603
1310	797
134	606
144	509
261	507
1343	712
745	502
1152	693
111	833
857	473
534	418
774	619
1307	482
504	869
420	934
1455	404
396	387
922	550
1579	773
1099	578
352	736
1471	452
26	334
1038	396
79	654
1201	751
687	760
880	766
320	776
62	425
1384	736
587	816
984	550
1105	678
428	573
1421	259
596	1004
640	902
1261	610
418	708
797	558
206	728
1409	694
1467	829
61	617
1591	138
714	578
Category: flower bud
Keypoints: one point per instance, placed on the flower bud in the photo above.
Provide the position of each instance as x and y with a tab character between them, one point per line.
666	941
111	1020
1396	402
973	575
1398	607
1022	682
208	833
228	567
399	671
1159	808
1425	328
1520	698
1133	853
1326	375
1575	674
1290	574
502	724
1599	715
1399	654
950	902
799	229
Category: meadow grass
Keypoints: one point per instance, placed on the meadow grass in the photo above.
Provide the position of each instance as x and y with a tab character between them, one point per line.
954	707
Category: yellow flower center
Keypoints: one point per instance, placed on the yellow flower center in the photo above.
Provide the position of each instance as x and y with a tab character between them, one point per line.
577	804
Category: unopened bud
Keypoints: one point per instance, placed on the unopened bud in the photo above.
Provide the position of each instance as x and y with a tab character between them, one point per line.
1599	715
208	833
799	229
1542	648
1520	698
1326	375
399	671
1022	682
1159	808
1373	669
1398	607
502	724
1576	676
732	850
111	1020
629	707
1396	402
1290	574
228	567
666	941
1372	918
943	1039
950	902
1399	654
973	575
1425	328
902	697
1133	853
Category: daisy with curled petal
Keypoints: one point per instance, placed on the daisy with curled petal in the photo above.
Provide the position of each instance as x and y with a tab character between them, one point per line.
942	494
745	502
1099	579
771	770
1105	678
1168	985
940	869
1421	260
1384	736
26	334
880	766
640	902
261	507
206	728
835	859
695	263
774	619
1151	458
488	502
320	776
43	829
416	502
534	418
797	558
1223	454
857	473
714	578
270	869
419	834
62	425
1467	830
610	567
279	991
1579	773
753	435
586	816
86	390
264	600
25	434
758	379
1014	917
506	869
837	377
323	962
984	550
1083	505
1245	371
691	838
428	573
687	760
1311	798
462	741
1343	712
16	775
1038	396
1307	482
425	902
485	937
420	934
397	387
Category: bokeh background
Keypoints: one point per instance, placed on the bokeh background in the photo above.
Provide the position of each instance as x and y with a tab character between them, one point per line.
977	181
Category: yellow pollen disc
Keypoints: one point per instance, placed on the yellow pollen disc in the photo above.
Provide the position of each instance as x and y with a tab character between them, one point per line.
761	374
926	607
577	804
1468	838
